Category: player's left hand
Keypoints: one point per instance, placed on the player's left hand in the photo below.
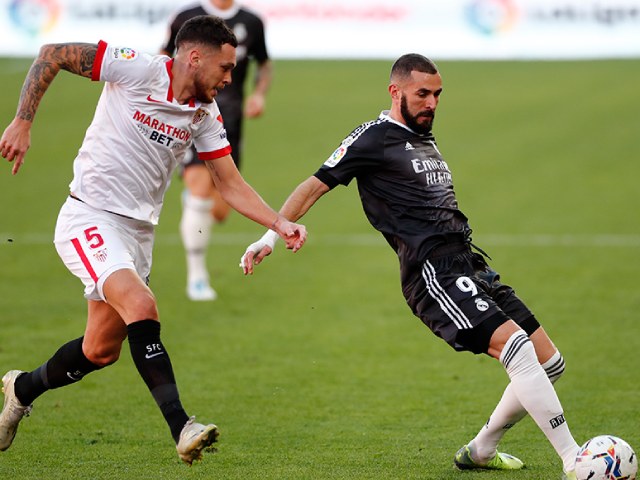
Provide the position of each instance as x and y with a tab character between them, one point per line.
254	105
257	251
293	234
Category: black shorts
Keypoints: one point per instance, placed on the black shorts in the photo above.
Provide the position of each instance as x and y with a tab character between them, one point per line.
460	298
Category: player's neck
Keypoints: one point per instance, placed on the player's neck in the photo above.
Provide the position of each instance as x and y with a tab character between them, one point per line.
395	115
222	4
182	89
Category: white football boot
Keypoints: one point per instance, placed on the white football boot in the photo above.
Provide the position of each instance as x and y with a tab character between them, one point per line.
13	410
194	438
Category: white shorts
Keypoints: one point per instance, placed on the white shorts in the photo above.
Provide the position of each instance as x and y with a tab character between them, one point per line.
93	244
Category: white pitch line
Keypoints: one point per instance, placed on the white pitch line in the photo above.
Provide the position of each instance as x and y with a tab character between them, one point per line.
376	240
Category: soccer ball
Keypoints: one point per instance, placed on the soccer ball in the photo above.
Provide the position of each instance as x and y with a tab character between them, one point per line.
606	458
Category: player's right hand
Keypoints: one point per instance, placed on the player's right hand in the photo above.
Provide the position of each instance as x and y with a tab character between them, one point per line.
15	142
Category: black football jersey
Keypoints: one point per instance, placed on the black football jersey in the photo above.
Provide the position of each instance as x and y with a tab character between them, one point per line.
405	186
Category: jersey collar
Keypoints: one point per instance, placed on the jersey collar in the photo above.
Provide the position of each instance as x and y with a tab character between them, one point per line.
169	65
384	115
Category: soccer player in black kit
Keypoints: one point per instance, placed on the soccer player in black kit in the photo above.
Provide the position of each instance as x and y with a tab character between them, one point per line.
407	193
202	206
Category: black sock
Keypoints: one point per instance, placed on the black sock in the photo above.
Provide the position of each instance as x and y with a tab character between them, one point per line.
68	365
155	368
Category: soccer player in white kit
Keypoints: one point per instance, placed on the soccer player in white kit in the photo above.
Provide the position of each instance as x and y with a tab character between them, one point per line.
152	109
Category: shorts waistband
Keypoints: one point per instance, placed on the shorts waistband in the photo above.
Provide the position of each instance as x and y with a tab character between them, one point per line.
71	195
448	249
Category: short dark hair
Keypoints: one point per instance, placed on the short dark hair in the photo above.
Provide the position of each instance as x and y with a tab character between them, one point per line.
206	30
409	62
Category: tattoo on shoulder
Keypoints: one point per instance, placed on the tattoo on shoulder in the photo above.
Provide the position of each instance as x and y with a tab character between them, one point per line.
87	57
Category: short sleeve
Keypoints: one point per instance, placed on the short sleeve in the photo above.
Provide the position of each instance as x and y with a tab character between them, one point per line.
211	137
120	64
356	155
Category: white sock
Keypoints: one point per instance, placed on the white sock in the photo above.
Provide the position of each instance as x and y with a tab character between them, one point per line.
195	230
507	413
535	392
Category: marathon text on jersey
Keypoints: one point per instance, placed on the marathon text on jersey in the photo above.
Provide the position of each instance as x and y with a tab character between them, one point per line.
162	132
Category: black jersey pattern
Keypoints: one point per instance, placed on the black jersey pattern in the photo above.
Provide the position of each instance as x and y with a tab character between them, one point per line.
405	187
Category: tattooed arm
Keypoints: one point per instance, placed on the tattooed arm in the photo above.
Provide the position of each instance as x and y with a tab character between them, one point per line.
76	58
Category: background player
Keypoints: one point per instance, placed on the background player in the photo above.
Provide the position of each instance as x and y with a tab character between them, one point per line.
202	205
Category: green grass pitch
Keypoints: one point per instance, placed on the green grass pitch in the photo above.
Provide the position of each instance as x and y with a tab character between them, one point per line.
314	368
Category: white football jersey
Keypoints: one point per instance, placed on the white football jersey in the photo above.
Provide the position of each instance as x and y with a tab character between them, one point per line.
139	134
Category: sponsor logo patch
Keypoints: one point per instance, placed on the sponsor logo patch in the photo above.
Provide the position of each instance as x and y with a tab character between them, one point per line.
557	421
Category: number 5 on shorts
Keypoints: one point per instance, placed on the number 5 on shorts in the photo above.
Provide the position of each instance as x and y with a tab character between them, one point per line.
94	239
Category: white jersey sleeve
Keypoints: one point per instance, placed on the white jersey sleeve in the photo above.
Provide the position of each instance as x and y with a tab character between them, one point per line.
210	137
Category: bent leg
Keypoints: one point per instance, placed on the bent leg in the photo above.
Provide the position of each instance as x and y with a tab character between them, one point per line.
509	410
98	348
532	387
128	294
104	334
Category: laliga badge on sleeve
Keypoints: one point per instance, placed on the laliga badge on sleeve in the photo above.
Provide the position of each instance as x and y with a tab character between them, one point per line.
335	158
124	53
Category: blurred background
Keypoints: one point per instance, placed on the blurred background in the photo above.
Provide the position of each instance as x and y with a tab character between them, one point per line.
378	29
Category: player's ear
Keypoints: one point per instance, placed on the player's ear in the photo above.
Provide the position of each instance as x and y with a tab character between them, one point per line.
394	91
194	57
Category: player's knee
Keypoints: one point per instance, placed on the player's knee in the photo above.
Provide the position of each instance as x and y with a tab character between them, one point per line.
554	367
220	211
198	181
141	306
518	355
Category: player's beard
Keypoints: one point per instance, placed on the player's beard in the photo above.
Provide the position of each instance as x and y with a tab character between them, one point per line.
412	120
203	91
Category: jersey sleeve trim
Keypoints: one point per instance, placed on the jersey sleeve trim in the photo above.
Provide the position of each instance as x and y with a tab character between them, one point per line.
97	62
326	178
215	154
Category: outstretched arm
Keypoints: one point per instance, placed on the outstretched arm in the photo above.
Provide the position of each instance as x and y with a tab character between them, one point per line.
74	57
299	202
239	194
